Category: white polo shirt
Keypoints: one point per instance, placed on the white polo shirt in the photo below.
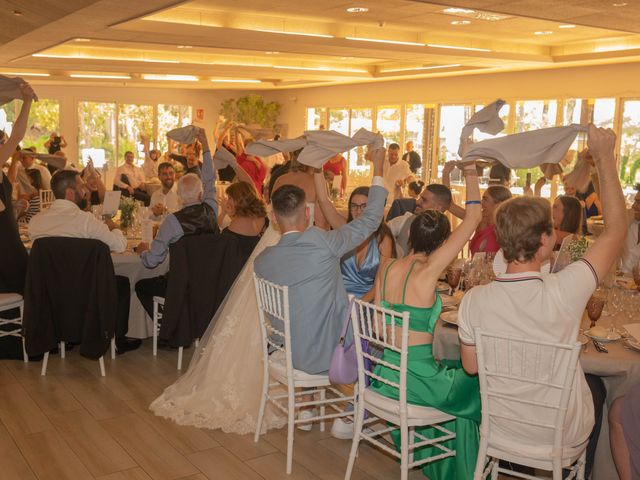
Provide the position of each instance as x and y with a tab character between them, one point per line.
547	308
631	248
392	173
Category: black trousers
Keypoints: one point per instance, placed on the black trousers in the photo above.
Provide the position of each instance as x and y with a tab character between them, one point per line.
124	298
137	193
148	288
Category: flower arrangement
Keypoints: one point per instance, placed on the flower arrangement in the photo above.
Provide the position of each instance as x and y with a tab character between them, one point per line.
577	248
128	206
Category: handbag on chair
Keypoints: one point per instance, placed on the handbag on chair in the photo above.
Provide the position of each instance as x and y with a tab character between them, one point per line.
344	366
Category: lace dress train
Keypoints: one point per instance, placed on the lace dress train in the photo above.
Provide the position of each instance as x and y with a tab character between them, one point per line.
223	384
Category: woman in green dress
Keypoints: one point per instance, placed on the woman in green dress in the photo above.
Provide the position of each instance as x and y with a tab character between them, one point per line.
409	285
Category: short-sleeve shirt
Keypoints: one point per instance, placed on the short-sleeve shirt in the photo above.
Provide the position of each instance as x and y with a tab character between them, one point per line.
546	308
392	173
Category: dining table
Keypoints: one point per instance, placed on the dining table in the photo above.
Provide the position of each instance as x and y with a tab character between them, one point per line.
619	370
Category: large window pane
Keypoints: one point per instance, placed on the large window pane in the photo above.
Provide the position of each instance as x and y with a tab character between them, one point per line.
97	133
572	111
630	142
8	115
535	114
414	128
388	124
316	117
452	119
133	120
604	109
360	118
44	119
339	120
170	117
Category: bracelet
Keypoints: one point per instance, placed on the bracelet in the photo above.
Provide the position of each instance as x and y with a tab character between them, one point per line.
472	202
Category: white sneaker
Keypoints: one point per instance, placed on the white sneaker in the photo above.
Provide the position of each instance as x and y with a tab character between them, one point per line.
342	429
305	415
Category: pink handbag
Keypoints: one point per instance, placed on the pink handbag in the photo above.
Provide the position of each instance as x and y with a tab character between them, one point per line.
344	366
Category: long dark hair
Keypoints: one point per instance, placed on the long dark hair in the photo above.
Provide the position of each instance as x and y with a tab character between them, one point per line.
571	214
383	230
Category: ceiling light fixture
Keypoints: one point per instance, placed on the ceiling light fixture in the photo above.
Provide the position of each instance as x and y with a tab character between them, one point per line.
26	74
185	46
457	11
50	55
543	32
82	39
235	80
305	34
271	52
432	67
620	4
568	25
17	13
461	22
453	47
151	60
116	59
87	75
175	78
377	40
357	10
320	69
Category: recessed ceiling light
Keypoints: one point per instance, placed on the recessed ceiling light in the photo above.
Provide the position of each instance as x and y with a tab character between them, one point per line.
377	40
17	13
620	4
305	34
320	69
568	25
272	52
454	10
177	78
357	10
185	46
461	22
83	75
26	74
453	47
235	80
543	32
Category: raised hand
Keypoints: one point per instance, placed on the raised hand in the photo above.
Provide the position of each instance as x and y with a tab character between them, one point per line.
27	92
601	143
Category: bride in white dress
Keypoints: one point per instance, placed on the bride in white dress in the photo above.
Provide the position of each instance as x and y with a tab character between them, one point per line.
223	385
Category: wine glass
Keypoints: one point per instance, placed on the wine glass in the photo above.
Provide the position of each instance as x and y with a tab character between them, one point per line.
635	271
453	278
594	308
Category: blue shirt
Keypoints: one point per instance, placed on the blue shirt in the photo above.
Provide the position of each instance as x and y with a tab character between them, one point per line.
171	230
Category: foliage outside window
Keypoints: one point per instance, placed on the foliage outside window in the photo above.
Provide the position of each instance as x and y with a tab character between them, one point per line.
44	118
452	119
170	117
360	118
97	133
316	117
133	120
388	123
251	110
630	142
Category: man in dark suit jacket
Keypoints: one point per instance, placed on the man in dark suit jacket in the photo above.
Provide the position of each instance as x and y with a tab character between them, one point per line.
308	261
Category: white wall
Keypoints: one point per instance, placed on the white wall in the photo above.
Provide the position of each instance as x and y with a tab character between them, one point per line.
619	80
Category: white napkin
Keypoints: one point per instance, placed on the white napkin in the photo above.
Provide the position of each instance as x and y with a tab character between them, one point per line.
266	148
486	120
223	158
185	135
10	89
527	149
23	181
634	330
54	160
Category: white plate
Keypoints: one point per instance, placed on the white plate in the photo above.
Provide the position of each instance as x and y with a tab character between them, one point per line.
611	337
633	344
450	317
583	339
450	301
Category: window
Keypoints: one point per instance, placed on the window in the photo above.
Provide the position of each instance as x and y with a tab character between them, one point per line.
170	117
97	133
452	119
316	117
535	114
630	142
388	124
360	118
133	120
8	116
604	110
414	127
339	120
44	119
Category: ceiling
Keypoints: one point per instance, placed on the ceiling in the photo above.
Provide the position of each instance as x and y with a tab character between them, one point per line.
276	44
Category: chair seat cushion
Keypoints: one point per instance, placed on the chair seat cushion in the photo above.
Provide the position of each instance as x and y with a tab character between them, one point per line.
7	299
278	369
415	412
503	447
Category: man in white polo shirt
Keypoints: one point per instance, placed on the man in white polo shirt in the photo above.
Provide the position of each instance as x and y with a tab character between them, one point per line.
396	173
523	303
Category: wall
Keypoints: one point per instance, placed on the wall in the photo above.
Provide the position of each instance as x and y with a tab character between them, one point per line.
68	96
619	80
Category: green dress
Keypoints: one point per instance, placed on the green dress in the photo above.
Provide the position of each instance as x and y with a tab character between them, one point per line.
443	385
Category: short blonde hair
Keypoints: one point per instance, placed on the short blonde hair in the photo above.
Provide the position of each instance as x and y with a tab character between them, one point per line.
520	222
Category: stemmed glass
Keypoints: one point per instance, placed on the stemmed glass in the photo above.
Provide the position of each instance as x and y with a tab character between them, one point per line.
453	278
594	308
635	271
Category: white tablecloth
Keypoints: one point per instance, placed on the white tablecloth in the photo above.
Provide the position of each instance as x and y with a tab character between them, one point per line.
130	266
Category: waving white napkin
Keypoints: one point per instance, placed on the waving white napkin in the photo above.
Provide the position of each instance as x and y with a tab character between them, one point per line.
10	89
223	158
527	149
54	160
486	120
185	135
318	146
24	183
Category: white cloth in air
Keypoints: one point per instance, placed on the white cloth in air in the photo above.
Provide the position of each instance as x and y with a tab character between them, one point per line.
185	135
486	120
54	160
10	89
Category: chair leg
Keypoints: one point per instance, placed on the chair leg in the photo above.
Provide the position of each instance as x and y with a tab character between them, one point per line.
357	429
197	342
404	452
25	357
263	402
291	427
412	439
62	350
113	348
179	358
481	461
101	362
581	465
155	329
494	469
323	396
45	361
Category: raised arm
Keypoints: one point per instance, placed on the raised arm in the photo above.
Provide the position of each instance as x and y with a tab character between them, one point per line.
607	247
328	209
449	250
345	176
63	142
19	127
208	173
456	210
239	142
12	174
221	136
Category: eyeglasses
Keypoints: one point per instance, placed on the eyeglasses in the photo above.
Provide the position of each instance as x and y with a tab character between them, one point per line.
357	206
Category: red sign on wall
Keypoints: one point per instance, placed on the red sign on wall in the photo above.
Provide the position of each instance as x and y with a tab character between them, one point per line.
199	114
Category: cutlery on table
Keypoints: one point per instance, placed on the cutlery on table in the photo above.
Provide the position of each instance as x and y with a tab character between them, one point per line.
599	346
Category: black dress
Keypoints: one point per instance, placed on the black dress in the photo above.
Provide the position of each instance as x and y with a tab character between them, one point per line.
13	256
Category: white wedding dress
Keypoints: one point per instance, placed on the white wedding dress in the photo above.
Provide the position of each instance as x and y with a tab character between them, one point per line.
223	385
